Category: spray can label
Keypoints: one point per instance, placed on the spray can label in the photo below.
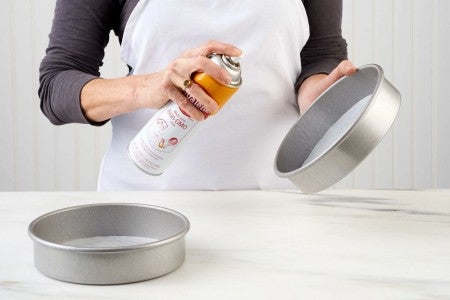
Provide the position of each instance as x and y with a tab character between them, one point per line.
155	146
161	136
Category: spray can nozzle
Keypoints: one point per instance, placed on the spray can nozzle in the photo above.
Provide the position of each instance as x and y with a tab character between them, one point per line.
235	59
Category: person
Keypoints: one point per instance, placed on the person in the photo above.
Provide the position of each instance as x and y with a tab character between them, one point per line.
291	51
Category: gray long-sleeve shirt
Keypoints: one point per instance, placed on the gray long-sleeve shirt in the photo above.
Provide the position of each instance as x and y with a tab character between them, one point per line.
80	33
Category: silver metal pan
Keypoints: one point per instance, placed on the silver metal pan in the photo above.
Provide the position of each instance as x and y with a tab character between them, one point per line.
339	130
109	243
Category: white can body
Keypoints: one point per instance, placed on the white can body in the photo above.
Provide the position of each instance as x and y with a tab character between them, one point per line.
155	146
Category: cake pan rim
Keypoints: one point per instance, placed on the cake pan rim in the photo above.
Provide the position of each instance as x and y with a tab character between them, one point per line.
344	137
136	247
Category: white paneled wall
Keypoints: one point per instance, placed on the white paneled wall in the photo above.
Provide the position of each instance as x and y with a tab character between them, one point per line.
410	39
34	154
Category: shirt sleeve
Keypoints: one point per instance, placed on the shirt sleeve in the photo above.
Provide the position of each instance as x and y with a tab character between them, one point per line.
326	47
79	34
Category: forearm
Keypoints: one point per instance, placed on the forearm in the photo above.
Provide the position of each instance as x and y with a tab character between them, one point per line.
326	47
324	51
102	99
79	34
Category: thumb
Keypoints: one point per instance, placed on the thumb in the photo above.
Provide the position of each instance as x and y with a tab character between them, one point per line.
345	68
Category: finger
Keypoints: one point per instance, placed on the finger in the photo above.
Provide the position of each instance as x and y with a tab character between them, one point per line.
184	104
201	100
348	68
345	68
207	66
184	67
196	95
214	47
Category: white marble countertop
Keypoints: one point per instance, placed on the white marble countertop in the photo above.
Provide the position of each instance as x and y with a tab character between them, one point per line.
262	245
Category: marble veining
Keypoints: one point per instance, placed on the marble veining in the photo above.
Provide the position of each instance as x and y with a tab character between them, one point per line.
262	245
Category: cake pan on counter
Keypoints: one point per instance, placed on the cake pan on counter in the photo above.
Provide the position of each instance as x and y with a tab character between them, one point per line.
110	243
339	130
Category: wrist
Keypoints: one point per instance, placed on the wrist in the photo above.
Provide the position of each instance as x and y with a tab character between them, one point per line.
102	99
145	91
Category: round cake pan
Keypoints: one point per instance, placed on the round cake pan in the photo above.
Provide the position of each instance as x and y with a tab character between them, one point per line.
339	130
110	243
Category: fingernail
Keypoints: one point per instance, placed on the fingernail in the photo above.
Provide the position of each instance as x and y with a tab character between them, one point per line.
201	117
214	108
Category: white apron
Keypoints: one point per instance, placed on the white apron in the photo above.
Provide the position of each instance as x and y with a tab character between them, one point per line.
234	149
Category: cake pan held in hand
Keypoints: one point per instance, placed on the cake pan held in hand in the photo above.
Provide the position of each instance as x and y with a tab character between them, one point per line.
339	130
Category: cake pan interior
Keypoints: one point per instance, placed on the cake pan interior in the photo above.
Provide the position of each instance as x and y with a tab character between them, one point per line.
109	243
339	130
338	109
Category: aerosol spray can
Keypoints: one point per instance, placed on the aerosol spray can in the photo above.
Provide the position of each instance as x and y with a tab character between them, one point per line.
155	146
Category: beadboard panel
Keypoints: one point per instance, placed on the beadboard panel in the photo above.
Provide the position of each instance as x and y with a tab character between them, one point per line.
410	39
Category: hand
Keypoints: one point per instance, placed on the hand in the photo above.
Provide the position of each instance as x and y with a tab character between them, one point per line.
102	99
315	85
171	79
